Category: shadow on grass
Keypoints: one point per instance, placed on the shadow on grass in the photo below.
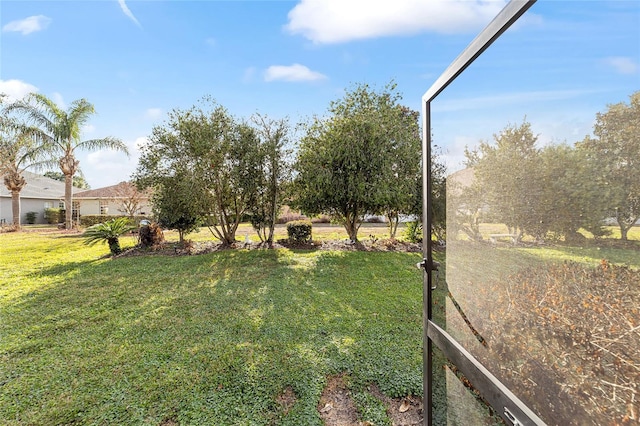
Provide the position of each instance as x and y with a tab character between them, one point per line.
210	339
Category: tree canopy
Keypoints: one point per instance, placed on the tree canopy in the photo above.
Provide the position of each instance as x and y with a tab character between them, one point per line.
555	190
614	158
362	159
213	158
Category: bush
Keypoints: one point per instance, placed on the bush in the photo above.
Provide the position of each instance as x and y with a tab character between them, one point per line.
151	235
108	232
299	231
580	320
94	219
374	219
52	216
413	232
323	218
30	217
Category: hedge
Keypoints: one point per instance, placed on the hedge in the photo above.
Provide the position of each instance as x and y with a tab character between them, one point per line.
299	231
94	219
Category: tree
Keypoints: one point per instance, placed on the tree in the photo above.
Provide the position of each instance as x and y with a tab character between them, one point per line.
18	152
274	170
78	179
128	197
353	163
569	198
438	203
108	232
218	157
614	157
176	204
61	135
402	162
505	173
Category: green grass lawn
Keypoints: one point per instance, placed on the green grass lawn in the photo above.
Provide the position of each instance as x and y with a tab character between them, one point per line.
208	339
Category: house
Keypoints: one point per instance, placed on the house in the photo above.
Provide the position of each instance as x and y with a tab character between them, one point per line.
41	193
38	194
114	200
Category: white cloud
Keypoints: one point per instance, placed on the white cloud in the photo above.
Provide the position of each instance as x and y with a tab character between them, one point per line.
28	25
16	89
622	64
88	129
128	12
295	72
336	21
153	113
107	167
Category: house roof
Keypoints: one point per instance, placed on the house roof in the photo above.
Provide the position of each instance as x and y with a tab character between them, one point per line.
37	186
120	190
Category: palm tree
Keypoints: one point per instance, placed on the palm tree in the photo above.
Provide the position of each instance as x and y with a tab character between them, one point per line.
18	152
108	232
62	136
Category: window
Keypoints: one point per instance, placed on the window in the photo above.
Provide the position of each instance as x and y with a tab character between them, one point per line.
104	207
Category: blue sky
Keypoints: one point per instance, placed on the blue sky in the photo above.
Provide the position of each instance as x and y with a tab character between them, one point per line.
137	60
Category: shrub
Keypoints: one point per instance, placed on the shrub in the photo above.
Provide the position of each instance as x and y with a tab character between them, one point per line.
151	235
52	216
374	219
299	231
323	218
413	232
580	320
108	232
94	219
30	217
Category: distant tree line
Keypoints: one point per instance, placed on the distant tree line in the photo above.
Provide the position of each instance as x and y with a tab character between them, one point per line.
555	190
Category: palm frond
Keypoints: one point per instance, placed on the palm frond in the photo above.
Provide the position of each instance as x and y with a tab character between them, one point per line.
102	232
37	109
104	143
79	112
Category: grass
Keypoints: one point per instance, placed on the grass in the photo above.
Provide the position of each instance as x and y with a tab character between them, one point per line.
210	339
217	338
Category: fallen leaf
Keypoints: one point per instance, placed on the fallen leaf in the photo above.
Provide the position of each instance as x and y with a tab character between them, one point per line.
328	406
404	406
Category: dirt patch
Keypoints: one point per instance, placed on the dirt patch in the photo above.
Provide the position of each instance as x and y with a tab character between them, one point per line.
405	411
286	400
336	407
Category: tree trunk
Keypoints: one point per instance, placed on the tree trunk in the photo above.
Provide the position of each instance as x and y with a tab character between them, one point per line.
351	226
623	232
15	208
114	246
68	201
272	215
394	219
14	183
68	166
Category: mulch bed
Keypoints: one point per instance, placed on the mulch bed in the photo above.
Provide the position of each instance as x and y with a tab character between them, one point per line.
204	247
